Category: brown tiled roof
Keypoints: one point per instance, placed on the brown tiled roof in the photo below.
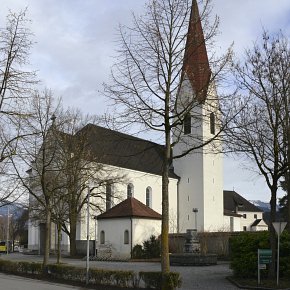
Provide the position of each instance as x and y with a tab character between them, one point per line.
122	150
196	64
234	201
130	207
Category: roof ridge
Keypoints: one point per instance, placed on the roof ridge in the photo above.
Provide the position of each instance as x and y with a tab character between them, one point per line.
130	207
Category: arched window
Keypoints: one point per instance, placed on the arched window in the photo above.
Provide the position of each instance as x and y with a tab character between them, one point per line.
212	123
149	196
109	196
126	237
130	190
187	124
102	237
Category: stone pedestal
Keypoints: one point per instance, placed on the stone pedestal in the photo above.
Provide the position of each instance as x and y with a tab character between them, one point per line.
192	244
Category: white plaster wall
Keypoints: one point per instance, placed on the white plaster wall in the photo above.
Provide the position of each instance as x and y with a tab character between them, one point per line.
140	182
190	191
143	229
114	236
227	224
201	172
262	226
212	169
33	236
248	221
114	230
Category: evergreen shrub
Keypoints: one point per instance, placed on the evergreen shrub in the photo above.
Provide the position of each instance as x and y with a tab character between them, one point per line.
149	249
244	253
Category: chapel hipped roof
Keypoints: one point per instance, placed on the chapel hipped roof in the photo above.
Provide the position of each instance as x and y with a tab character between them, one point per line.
196	65
129	208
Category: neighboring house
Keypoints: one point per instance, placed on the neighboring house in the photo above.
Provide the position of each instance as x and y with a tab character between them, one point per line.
196	197
241	215
125	225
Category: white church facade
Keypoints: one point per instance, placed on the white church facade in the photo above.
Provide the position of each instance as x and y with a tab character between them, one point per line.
196	195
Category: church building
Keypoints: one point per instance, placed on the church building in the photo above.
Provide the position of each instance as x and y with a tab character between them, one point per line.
132	209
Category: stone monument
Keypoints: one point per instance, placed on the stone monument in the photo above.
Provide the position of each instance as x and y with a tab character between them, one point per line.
191	255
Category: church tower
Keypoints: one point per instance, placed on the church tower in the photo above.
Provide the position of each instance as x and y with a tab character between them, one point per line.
200	189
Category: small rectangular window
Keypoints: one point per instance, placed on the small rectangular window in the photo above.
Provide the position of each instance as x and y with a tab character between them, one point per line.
244	228
244	216
255	216
126	237
102	238
187	124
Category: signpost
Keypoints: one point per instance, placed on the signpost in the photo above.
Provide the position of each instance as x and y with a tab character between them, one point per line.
279	228
264	257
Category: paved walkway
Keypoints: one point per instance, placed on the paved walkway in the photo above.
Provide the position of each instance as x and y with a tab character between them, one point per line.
11	282
206	277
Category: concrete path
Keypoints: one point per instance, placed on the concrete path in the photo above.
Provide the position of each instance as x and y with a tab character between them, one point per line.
11	282
206	277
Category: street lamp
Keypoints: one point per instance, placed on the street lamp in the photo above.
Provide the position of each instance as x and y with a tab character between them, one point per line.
7	236
88	235
195	210
95	218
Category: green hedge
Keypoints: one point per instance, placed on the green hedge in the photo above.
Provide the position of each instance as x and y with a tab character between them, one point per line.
20	267
154	279
129	279
244	253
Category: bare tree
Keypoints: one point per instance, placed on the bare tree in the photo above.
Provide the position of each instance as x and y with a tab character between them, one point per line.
15	87
81	167
158	56
57	151
261	132
38	151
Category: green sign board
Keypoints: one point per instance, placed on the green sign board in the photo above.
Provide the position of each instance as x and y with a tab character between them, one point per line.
265	256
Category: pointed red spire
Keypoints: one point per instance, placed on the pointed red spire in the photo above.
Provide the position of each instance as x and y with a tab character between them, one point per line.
195	64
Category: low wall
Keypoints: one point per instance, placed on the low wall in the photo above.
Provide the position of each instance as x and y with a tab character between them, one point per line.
210	242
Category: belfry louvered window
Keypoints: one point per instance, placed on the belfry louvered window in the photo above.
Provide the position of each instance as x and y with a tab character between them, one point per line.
149	196
187	124
212	123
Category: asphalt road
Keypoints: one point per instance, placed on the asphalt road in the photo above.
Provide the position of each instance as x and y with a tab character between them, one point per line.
202	278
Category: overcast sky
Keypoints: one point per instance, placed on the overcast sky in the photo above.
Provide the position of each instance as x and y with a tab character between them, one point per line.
75	45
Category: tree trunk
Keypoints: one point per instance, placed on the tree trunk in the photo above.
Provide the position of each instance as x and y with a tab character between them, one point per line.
273	241
58	243
286	214
47	239
288	176
288	209
72	236
165	265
